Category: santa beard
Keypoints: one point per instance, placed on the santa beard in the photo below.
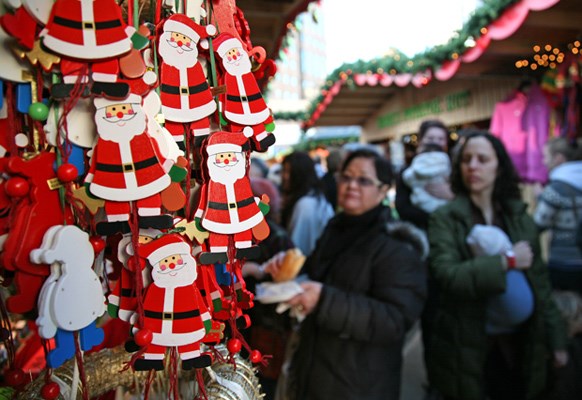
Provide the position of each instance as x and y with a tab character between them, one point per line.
184	276
239	67
120	130
169	53
227	174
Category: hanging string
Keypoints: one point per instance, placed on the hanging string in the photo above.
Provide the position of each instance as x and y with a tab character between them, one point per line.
135	7
148	384
201	389
12	123
80	365
6	331
173	375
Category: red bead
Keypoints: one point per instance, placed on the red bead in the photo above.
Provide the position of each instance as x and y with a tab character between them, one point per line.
67	173
17	187
143	337
134	264
97	243
256	357
14	377
234	346
50	391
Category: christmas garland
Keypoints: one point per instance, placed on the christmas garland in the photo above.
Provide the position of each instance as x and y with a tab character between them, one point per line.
398	63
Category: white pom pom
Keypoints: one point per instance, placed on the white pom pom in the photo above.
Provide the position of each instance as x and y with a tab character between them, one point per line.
248	131
150	77
204	44
210	30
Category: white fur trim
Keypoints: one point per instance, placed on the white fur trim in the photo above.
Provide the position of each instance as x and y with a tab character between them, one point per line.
150	77
149	211
102	102
227	228
193	114
223	148
189	355
130	193
174	26
248	119
210	30
103	77
248	131
178	339
81	51
168	250
227	45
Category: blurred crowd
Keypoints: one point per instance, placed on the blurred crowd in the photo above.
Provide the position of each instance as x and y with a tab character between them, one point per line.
493	273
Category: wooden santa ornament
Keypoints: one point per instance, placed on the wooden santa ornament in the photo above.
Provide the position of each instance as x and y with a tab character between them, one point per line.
174	311
71	298
186	98
127	166
243	104
227	206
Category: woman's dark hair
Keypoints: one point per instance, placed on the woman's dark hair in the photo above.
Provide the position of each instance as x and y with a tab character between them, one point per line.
507	181
382	165
431	123
302	180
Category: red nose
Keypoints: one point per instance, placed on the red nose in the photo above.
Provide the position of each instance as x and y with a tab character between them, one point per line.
226	162
119	114
179	43
172	265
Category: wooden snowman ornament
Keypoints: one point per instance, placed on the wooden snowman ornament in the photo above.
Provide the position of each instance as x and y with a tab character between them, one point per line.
174	312
227	206
187	101
243	105
127	166
71	298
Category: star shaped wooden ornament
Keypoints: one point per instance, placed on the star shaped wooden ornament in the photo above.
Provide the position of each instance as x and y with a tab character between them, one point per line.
38	55
192	231
91	204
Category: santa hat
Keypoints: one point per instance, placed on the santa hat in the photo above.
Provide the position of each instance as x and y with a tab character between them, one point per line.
224	142
101	102
164	247
181	23
224	42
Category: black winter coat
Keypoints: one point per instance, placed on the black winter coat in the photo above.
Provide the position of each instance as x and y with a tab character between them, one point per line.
374	289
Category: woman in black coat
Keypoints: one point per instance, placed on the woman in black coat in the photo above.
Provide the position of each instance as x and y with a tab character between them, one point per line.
366	287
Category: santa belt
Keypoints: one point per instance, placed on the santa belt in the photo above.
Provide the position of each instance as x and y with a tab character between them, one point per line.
171	315
226	206
245	99
127	167
69	23
184	90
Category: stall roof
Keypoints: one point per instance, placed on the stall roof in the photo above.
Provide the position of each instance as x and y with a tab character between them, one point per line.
268	21
353	93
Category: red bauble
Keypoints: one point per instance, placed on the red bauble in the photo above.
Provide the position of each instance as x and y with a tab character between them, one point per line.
50	391
14	377
234	346
256	356
67	173
17	187
98	244
143	337
134	264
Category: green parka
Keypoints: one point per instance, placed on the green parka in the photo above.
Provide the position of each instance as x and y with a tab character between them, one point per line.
457	347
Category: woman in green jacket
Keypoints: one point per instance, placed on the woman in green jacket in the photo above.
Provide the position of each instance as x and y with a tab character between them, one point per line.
496	326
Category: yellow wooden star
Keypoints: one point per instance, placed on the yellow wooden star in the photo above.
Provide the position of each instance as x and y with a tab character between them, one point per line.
191	231
91	204
37	55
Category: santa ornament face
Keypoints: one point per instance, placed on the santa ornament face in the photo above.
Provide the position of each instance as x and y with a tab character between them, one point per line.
120	122
234	59
178	50
227	167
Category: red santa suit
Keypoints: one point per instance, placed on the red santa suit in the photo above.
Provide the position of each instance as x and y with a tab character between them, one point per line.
228	209
86	29
185	94
128	171
243	102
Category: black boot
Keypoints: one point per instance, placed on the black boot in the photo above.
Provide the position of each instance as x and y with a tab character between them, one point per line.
249	253
142	364
110	90
111	228
198	362
156	221
208	258
61	91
